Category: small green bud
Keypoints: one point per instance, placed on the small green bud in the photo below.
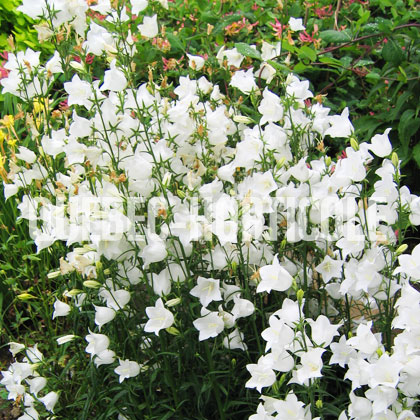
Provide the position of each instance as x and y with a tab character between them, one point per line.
54	274
350	334
25	296
328	160
173	331
318	404
180	194
283	244
233	361
167	179
242	119
299	294
379	352
234	266
402	248
280	163
77	66
354	144
394	159
99	265
92	284
107	271
173	302
73	292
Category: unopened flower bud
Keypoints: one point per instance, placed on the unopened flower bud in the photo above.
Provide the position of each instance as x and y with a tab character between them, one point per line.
402	248
319	404
54	274
65	339
354	144
173	302
328	160
73	292
299	294
99	265
107	271
242	119
76	65
25	296
172	331
280	163
395	160
180	194
167	179
92	284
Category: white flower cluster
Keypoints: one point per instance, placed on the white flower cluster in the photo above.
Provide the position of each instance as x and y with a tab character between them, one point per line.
23	382
156	182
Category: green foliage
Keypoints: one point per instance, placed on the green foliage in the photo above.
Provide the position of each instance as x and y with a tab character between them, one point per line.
21	27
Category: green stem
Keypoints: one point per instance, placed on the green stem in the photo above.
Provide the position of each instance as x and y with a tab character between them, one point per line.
215	386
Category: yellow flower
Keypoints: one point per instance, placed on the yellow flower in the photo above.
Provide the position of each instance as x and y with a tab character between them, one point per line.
8	121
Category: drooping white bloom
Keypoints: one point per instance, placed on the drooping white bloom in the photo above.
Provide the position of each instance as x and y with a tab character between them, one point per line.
79	92
244	81
274	277
207	290
385	371
233	56
380	144
65	339
127	369
311	365
15	348
114	79
33	8
50	400
322	331
103	315
36	384
262	375
290	408
299	89
410	264
196	62
115	299
329	268
138	6
360	407
149	27
159	318
98	40
296	24
105	357
364	340
97	343
235	340
61	309
340	125
25	154
270	107
269	51
154	251
209	325
161	283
